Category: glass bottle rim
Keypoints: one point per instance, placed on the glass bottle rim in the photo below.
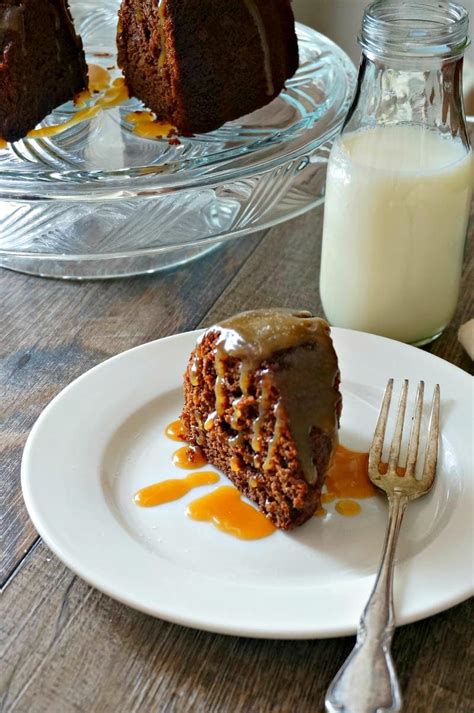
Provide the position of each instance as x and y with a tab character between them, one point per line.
408	29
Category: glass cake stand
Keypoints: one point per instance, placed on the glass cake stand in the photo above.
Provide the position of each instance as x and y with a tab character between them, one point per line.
97	201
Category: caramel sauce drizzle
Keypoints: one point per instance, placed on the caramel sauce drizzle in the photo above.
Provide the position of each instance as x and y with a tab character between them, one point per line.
148	126
80	116
168	490
114	95
346	479
189	457
349	508
225	509
3	144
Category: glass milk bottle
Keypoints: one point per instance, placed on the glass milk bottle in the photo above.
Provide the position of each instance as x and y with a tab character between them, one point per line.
399	179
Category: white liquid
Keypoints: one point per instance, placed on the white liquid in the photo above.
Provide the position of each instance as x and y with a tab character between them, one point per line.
395	220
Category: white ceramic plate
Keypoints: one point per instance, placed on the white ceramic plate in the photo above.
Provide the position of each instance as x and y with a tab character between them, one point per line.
102	438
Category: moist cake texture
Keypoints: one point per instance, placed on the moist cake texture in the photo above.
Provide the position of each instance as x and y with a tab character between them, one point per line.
199	63
262	400
42	63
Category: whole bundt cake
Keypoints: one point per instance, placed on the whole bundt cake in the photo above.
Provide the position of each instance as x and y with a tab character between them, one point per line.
199	63
262	400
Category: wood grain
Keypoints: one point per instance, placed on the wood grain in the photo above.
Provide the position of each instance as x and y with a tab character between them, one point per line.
70	648
67	647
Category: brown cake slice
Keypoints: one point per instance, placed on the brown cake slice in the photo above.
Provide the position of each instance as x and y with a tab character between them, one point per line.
42	63
262	400
200	63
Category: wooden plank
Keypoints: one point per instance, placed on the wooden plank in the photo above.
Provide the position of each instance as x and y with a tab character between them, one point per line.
71	649
53	331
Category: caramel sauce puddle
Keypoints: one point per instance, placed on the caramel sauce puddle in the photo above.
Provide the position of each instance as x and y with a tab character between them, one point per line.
348	476
175	431
348	508
226	510
147	126
168	490
189	458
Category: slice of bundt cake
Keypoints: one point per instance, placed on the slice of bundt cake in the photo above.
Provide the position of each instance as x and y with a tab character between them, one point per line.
199	63
262	400
42	63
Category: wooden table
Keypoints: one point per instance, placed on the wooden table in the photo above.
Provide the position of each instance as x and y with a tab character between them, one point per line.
69	648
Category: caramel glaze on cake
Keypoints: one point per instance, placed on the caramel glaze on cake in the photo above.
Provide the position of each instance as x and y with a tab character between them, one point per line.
199	63
42	63
262	400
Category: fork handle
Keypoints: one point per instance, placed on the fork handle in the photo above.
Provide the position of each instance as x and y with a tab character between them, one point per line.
367	681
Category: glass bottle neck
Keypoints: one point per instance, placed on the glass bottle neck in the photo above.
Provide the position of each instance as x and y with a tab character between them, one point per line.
430	97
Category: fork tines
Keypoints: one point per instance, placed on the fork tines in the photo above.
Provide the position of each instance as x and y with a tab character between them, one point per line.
431	455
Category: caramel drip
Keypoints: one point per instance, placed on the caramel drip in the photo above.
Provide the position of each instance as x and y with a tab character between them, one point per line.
189	457
244	378
154	129
175	430
201	436
267	61
161	28
219	386
140	117
308	404
349	508
194	372
237	440
263	405
3	144
209	422
168	490
277	431
237	413
114	96
225	509
306	378
79	117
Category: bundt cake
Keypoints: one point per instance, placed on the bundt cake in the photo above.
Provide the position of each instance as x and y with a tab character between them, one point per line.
262	400
199	63
42	63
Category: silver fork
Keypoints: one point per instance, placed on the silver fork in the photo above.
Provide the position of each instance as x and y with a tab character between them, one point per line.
367	681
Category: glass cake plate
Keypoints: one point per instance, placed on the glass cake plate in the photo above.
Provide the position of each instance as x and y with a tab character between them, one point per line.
96	200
